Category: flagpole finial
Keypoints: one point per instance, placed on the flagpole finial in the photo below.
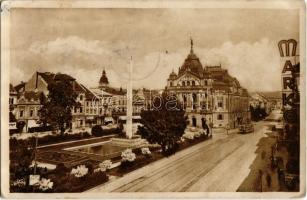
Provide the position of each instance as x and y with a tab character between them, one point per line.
191	44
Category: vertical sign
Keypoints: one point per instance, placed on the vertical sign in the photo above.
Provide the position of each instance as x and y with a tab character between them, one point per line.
290	74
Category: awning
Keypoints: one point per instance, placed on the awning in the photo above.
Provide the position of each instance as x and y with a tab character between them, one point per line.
12	125
32	124
125	117
108	119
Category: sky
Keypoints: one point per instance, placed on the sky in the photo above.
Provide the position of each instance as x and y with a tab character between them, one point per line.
83	42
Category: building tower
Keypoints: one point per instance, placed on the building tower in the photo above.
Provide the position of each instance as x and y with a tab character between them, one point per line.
103	82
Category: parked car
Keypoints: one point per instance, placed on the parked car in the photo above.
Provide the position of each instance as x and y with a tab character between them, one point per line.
246	128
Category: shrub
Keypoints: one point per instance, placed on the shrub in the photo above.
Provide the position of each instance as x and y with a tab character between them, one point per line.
97	131
145	151
45	184
128	155
80	171
188	135
61	169
105	165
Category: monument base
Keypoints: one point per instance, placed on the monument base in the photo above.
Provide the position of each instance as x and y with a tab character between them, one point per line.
130	143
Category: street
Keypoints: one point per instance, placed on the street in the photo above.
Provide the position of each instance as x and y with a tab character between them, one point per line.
220	164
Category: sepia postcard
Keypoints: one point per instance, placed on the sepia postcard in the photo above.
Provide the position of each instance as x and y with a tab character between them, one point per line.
153	99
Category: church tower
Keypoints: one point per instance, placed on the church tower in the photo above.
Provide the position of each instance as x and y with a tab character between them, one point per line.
103	82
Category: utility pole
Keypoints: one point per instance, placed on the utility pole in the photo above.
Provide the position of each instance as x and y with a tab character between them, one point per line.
35	152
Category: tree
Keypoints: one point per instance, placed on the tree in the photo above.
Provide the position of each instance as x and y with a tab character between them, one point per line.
56	109
97	131
164	123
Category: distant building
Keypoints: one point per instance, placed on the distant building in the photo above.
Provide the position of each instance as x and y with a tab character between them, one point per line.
209	94
259	100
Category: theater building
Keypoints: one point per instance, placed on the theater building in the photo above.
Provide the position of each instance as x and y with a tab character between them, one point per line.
209	94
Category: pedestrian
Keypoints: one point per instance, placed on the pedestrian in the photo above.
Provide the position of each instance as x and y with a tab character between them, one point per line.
268	180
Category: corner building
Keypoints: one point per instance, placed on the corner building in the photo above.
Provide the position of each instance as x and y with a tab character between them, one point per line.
209	94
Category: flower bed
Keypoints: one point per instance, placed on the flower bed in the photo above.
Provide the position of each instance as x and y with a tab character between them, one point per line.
62	179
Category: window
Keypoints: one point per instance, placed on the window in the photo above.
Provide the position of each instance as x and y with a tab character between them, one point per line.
75	110
188	83
81	122
193	83
220	117
87	103
81	110
206	82
220	104
21	113
81	97
183	83
171	84
31	113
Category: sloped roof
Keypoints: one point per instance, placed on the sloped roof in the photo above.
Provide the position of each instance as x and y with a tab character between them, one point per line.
12	89
89	95
31	95
19	86
50	77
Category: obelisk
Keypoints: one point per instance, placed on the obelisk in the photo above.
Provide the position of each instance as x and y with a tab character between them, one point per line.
129	132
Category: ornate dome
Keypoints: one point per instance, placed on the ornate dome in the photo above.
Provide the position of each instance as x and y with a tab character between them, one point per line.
192	64
172	75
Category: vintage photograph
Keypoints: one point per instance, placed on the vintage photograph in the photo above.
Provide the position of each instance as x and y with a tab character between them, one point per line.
151	99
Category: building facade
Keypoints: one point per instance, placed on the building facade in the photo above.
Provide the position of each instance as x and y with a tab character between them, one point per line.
209	94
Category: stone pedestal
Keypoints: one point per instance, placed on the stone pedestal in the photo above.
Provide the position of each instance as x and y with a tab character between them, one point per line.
129	143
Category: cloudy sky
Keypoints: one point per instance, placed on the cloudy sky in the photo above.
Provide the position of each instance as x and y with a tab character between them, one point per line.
82	42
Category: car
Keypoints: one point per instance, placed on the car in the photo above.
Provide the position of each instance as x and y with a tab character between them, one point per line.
246	128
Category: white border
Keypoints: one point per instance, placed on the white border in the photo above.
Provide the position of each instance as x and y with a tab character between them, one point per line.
5	55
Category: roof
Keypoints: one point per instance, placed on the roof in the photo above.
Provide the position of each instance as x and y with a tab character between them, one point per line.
192	64
172	76
31	95
20	86
103	78
89	95
50	77
12	89
115	91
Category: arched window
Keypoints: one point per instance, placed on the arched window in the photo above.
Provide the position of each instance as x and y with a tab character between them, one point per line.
183	83
193	83
188	83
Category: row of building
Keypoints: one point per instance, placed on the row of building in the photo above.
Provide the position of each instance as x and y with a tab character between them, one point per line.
99	105
208	94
